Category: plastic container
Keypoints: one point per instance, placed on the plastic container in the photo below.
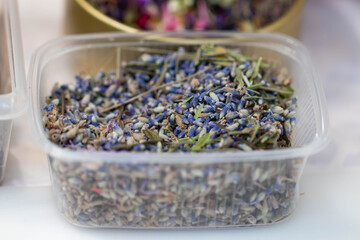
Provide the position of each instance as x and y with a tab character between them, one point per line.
176	190
13	99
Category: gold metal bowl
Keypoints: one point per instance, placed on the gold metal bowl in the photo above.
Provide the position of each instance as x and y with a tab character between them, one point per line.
82	17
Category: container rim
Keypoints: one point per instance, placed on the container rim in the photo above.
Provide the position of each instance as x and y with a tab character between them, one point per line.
320	140
15	103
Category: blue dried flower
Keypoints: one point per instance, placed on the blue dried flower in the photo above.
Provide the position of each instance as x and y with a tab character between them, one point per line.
49	107
208	109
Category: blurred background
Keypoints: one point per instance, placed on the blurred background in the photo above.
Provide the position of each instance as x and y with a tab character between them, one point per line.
330	30
178	15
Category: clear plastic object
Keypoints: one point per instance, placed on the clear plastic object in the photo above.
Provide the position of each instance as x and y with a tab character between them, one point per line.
176	190
13	98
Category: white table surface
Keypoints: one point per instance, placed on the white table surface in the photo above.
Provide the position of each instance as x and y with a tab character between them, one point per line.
330	206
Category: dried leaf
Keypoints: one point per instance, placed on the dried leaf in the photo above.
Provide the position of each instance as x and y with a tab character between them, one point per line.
286	92
253	135
186	100
256	69
154	136
197	56
239	77
242	132
198	112
162	75
202	141
255	86
221	61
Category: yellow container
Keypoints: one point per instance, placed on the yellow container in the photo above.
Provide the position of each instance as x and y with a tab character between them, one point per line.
82	17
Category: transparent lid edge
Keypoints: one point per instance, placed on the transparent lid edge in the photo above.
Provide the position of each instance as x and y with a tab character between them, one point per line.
15	103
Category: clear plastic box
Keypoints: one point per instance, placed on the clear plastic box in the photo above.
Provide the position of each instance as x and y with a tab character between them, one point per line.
176	190
13	99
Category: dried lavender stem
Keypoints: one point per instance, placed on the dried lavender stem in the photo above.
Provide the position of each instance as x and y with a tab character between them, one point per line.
153	89
133	70
118	62
62	102
162	75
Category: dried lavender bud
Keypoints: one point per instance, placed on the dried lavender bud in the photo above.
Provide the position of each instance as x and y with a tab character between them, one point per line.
253	104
